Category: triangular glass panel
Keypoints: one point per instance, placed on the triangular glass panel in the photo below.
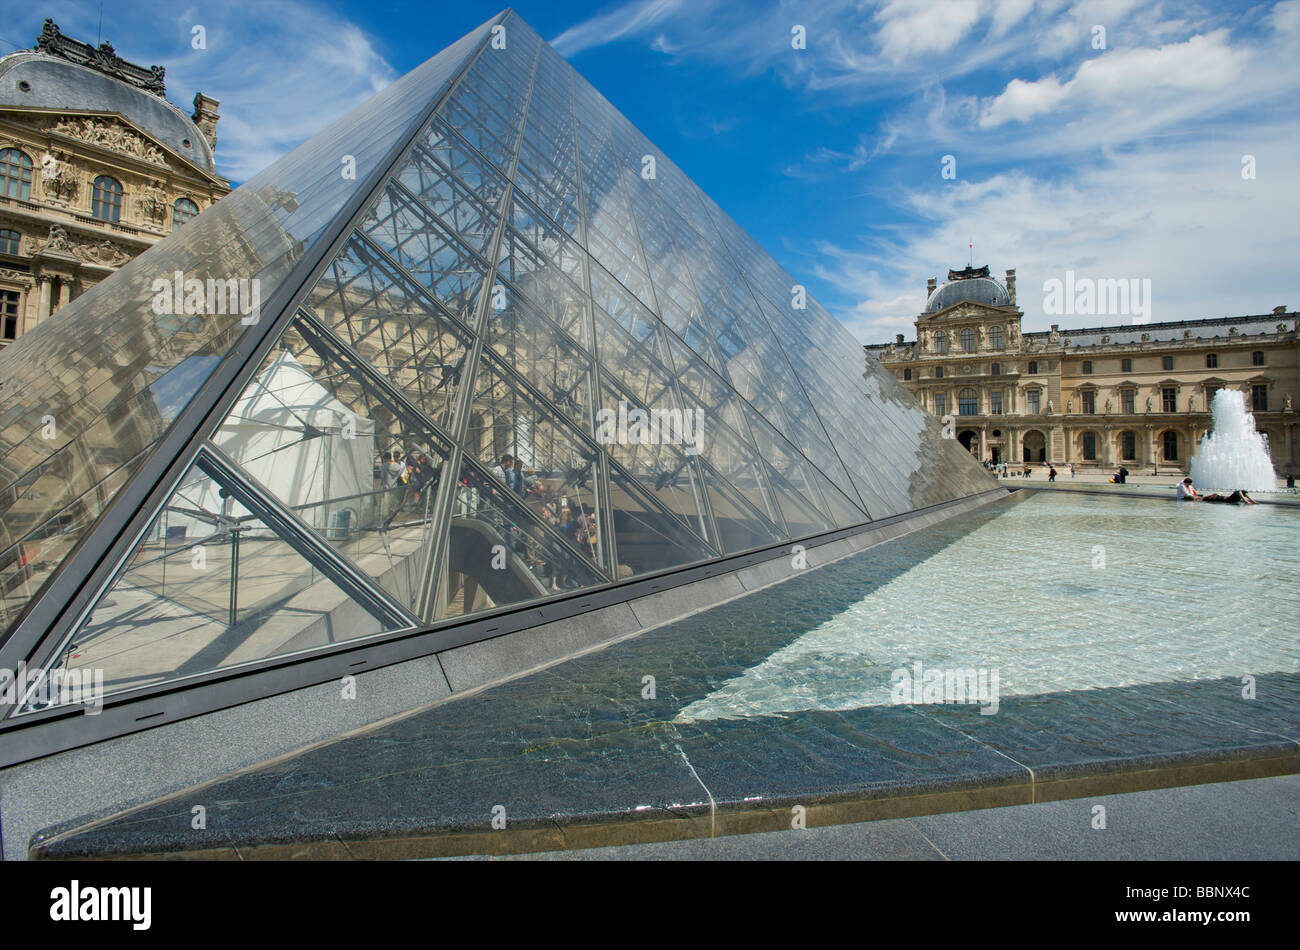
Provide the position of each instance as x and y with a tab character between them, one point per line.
740	526
390	322
500	551
509	423
548	358
417	240
339	448
651	440
649	536
214	584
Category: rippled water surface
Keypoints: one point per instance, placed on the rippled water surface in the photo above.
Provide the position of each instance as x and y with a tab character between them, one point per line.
1059	592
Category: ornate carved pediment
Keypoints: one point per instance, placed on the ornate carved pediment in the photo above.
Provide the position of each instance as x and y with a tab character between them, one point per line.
103	252
108	133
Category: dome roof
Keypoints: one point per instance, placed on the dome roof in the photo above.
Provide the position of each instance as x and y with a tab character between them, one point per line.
979	289
31	80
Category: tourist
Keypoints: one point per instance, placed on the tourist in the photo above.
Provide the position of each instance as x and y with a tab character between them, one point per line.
1051	474
505	471
1290	482
1187	493
1072	470
524	484
1123	475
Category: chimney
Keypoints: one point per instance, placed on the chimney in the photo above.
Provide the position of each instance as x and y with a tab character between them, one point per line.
898	337
929	287
1011	284
205	117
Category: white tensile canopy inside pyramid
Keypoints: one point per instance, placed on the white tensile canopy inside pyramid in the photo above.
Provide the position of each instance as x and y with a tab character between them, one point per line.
411	436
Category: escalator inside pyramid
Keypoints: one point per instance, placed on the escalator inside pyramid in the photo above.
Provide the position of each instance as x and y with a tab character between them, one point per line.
497	366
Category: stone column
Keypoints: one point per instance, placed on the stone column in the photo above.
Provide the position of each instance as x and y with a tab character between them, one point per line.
984	444
43	309
65	293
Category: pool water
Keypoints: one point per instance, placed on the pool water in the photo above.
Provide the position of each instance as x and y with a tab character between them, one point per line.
1059	592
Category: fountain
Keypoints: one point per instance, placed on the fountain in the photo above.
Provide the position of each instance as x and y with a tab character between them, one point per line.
1233	455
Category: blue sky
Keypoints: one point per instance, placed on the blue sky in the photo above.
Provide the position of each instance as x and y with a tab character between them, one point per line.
1117	162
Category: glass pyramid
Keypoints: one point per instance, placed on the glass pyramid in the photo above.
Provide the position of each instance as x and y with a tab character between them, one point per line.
483	360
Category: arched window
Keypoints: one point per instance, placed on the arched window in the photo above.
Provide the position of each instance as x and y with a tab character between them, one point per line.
941	342
1128	446
106	199
968	340
1170	445
1090	446
995	338
9	241
968	402
182	211
1033	367
15	174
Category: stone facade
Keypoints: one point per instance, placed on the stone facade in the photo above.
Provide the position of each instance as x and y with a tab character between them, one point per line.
56	239
1099	397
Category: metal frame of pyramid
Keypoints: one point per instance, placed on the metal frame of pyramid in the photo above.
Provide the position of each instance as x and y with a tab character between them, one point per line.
495	271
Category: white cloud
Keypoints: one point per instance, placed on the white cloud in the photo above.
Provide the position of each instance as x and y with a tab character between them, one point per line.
1124	79
282	72
628	20
1212	243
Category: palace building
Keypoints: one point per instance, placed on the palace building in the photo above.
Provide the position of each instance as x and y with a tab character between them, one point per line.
1096	397
96	166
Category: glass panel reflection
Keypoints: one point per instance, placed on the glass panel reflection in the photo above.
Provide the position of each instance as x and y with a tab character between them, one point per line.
345	456
502	551
210	585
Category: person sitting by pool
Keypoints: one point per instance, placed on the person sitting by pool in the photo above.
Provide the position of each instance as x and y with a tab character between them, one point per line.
1187	493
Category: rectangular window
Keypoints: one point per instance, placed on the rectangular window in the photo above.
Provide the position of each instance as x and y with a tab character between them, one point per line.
1257	358
1089	403
1169	399
1259	398
1126	399
1167	362
1128	444
1126	366
1087	367
1090	446
1211	360
1209	396
995	402
1032	396
940	404
907	374
9	300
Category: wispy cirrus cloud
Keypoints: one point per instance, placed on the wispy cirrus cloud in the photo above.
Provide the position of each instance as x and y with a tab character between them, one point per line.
282	72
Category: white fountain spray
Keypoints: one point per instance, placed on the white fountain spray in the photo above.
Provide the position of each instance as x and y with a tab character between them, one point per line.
1233	455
